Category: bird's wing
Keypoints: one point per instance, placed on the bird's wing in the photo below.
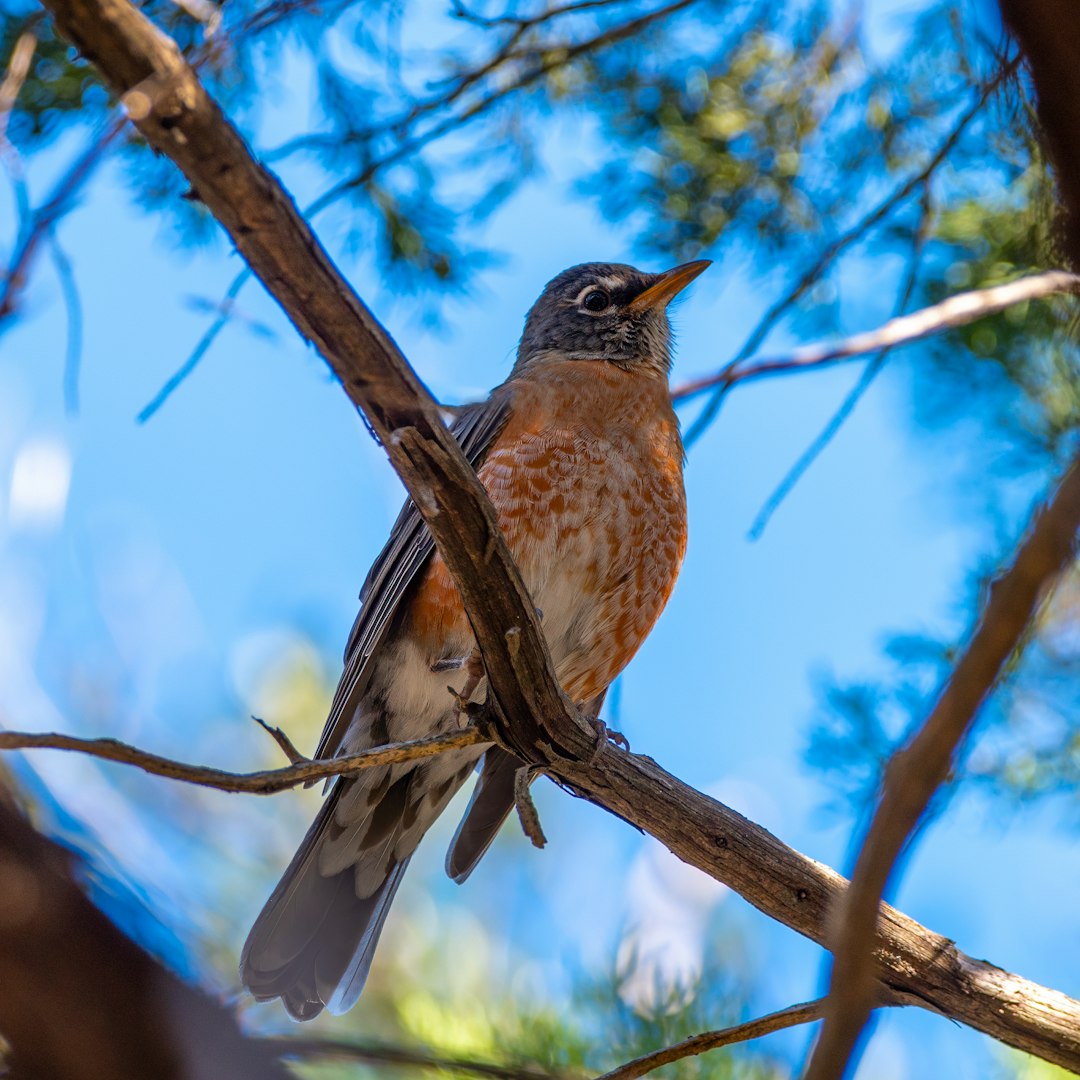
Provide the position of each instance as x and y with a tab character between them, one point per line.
409	547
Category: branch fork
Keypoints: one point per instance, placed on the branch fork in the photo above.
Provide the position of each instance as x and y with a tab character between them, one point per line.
532	714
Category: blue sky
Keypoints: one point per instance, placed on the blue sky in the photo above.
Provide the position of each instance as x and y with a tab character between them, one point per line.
189	552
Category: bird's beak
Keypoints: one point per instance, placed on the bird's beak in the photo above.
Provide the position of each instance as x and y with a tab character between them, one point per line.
668	285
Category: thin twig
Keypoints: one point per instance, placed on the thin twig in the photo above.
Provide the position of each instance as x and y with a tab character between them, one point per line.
264	782
316	1048
42	220
555	56
69	287
806	1013
917	770
877	362
37	224
285	744
17	69
222	320
958	310
829	255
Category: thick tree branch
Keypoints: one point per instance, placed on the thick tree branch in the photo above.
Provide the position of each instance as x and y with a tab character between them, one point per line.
174	113
919	967
265	782
1050	34
956	311
81	1001
534	719
916	771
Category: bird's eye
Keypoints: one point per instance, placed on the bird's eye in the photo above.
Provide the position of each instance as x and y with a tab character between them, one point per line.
597	300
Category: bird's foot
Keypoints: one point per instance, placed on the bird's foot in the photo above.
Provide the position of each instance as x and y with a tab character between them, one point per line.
465	711
464	707
604	735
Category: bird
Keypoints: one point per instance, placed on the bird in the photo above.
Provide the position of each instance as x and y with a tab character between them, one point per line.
580	453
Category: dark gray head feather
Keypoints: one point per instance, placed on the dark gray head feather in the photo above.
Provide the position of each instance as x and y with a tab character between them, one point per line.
561	326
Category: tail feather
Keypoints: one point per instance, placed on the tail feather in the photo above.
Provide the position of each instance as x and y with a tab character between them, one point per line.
491	802
314	935
313	942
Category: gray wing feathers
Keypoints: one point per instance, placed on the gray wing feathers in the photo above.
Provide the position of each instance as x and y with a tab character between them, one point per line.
313	942
408	548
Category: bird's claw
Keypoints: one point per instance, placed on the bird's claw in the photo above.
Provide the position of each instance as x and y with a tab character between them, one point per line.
604	734
465	711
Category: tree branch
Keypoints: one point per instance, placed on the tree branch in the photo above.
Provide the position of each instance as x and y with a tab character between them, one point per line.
712	1040
917	770
529	711
83	1002
264	782
838	246
1049	33
546	60
956	311
1051	36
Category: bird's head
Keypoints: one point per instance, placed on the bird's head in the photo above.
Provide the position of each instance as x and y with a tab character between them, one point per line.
605	311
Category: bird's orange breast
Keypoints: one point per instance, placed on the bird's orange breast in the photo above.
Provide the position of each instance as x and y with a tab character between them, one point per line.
586	479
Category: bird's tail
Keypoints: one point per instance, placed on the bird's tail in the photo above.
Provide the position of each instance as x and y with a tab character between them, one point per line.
313	941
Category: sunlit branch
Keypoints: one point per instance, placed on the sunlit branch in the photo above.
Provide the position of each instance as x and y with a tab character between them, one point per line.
18	68
918	769
712	1040
956	311
528	712
265	782
838	246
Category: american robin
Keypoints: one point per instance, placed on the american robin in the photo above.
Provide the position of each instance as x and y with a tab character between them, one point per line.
580	453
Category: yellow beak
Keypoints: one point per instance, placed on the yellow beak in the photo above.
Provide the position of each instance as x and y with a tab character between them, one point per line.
662	291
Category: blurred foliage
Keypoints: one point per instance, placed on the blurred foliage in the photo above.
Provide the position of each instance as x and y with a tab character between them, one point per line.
1018	1066
758	132
1026	744
475	1018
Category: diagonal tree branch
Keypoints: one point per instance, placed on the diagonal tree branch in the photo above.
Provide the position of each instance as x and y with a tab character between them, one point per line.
956	311
1050	34
531	715
806	1013
83	1002
547	60
917	770
837	247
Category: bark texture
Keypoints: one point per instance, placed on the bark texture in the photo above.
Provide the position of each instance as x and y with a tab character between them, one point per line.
530	715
